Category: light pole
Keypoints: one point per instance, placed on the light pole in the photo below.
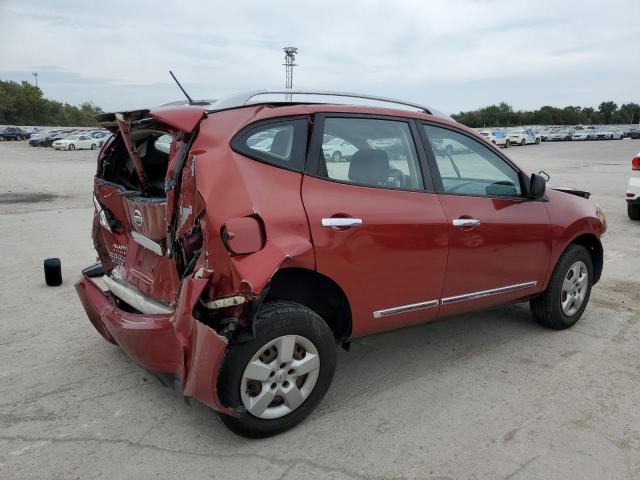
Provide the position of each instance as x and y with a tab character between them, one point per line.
35	75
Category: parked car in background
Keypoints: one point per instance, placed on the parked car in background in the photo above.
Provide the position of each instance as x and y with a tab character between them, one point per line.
488	135
49	139
101	136
582	135
560	136
338	150
523	137
609	135
31	131
501	139
634	134
237	271
12	133
75	142
633	189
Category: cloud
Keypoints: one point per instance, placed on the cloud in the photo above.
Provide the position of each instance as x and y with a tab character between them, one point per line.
452	54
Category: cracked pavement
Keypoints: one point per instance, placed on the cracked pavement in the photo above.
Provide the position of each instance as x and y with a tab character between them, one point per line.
486	395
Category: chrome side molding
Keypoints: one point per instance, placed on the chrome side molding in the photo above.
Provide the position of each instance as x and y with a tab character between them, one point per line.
449	300
487	293
405	308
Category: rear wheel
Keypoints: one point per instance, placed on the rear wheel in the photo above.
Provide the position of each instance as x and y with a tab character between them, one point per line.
276	379
507	144
337	156
538	141
448	150
72	146
633	211
93	146
563	302
523	142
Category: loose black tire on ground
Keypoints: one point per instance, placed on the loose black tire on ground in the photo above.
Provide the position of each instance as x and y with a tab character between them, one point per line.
547	308
275	319
633	211
53	272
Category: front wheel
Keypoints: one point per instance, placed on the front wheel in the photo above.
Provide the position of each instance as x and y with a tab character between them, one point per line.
561	305
507	144
523	142
537	141
93	146
72	146
276	379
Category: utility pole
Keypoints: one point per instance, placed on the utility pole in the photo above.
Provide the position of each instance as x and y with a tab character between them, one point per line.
289	63
35	75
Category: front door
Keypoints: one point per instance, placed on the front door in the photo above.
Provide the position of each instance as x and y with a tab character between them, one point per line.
377	232
499	241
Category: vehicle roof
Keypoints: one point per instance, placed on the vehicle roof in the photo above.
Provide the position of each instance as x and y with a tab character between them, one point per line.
182	114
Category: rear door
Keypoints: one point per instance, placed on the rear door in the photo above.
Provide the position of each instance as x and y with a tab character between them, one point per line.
378	228
499	241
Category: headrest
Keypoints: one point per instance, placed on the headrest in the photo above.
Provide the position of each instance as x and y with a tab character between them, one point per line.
369	166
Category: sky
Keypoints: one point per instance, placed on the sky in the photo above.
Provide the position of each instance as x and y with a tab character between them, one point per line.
450	54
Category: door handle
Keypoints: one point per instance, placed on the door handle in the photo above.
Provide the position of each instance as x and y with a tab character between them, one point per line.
341	222
466	222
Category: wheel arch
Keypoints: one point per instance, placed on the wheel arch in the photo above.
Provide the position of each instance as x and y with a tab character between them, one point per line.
317	292
594	247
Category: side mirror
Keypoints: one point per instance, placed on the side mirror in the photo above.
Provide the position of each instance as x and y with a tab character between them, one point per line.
537	186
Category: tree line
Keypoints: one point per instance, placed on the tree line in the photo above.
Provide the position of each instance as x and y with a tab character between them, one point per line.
24	104
503	115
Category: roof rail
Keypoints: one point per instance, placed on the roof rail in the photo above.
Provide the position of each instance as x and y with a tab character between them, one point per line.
245	98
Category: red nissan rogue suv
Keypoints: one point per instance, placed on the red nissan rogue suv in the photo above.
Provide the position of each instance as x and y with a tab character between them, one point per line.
237	248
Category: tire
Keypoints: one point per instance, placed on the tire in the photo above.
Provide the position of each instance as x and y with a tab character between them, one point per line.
448	150
72	146
93	146
336	156
633	211
554	308
277	322
523	142
52	272
507	144
537	141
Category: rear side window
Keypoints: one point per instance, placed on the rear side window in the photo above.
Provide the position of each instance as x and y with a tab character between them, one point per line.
281	143
371	152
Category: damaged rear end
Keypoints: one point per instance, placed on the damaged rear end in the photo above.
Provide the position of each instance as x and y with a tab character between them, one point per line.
148	234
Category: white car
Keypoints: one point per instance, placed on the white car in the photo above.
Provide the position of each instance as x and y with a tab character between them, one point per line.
580	135
633	190
76	142
523	137
609	135
338	150
498	137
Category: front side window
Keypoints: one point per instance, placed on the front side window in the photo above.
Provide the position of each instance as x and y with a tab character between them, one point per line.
469	168
371	152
